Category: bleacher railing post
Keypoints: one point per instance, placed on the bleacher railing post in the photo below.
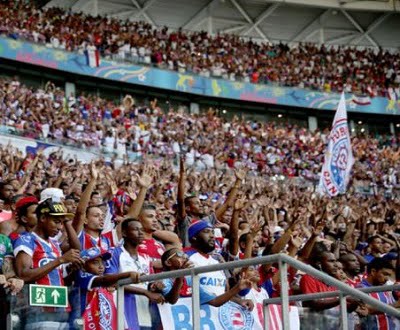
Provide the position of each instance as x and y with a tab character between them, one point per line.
121	307
12	321
266	316
343	311
195	301
284	294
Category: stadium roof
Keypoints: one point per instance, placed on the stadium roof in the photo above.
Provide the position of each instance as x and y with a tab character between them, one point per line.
337	22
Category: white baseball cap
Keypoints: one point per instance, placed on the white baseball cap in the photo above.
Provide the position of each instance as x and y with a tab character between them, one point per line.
54	193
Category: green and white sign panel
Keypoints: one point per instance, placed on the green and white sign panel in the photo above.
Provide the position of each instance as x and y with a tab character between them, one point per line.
47	295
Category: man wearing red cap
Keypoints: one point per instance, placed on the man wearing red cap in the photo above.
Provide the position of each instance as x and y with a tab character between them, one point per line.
25	210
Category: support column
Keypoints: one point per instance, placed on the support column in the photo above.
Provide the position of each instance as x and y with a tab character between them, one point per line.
392	130
312	123
194	108
321	30
95	7
284	295
195	302
321	36
209	21
70	89
352	127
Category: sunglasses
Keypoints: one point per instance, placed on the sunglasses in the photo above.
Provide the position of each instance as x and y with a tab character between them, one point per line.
179	254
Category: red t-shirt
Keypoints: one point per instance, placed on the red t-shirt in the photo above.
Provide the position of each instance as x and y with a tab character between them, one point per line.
231	162
153	248
309	284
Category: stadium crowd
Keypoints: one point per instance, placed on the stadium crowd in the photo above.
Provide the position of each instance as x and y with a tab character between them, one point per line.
140	131
226	56
192	190
88	225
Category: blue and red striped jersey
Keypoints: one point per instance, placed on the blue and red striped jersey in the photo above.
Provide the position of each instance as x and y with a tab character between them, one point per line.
379	321
104	241
42	252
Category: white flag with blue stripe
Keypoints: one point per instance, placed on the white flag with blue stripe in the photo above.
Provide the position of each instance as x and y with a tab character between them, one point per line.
339	158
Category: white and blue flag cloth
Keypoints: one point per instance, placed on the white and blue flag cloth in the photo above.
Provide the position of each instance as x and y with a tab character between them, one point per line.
339	158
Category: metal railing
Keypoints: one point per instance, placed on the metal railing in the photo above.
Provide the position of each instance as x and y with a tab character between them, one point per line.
283	260
324	295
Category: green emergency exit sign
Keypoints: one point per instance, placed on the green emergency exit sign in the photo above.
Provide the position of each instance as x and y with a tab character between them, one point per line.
47	295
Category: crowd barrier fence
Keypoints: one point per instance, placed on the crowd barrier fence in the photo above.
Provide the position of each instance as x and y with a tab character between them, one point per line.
284	261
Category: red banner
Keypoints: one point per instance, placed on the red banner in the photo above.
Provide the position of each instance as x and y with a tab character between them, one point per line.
100	313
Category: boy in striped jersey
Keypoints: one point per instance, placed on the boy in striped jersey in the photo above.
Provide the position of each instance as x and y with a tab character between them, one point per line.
39	260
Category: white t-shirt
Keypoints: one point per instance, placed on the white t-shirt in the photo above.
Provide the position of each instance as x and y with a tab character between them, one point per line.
212	284
208	160
257	297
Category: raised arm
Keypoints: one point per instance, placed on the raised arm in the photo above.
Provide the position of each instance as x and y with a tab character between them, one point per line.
144	182
281	243
234	227
240	175
351	225
181	190
72	238
80	214
168	238
111	279
306	251
295	243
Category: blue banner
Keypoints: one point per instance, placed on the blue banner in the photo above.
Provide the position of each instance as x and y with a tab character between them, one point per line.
147	76
229	316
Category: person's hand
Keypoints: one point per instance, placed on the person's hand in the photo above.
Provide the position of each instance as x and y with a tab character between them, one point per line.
335	247
247	304
118	219
240	174
222	225
3	279
239	204
187	264
295	220
296	241
263	201
113	187
345	247
352	304
362	310
255	226
155	297
319	227
395	238
64	174
40	152
93	171
72	256
182	164
15	285
111	289
244	283
134	277
157	286
145	180
396	304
